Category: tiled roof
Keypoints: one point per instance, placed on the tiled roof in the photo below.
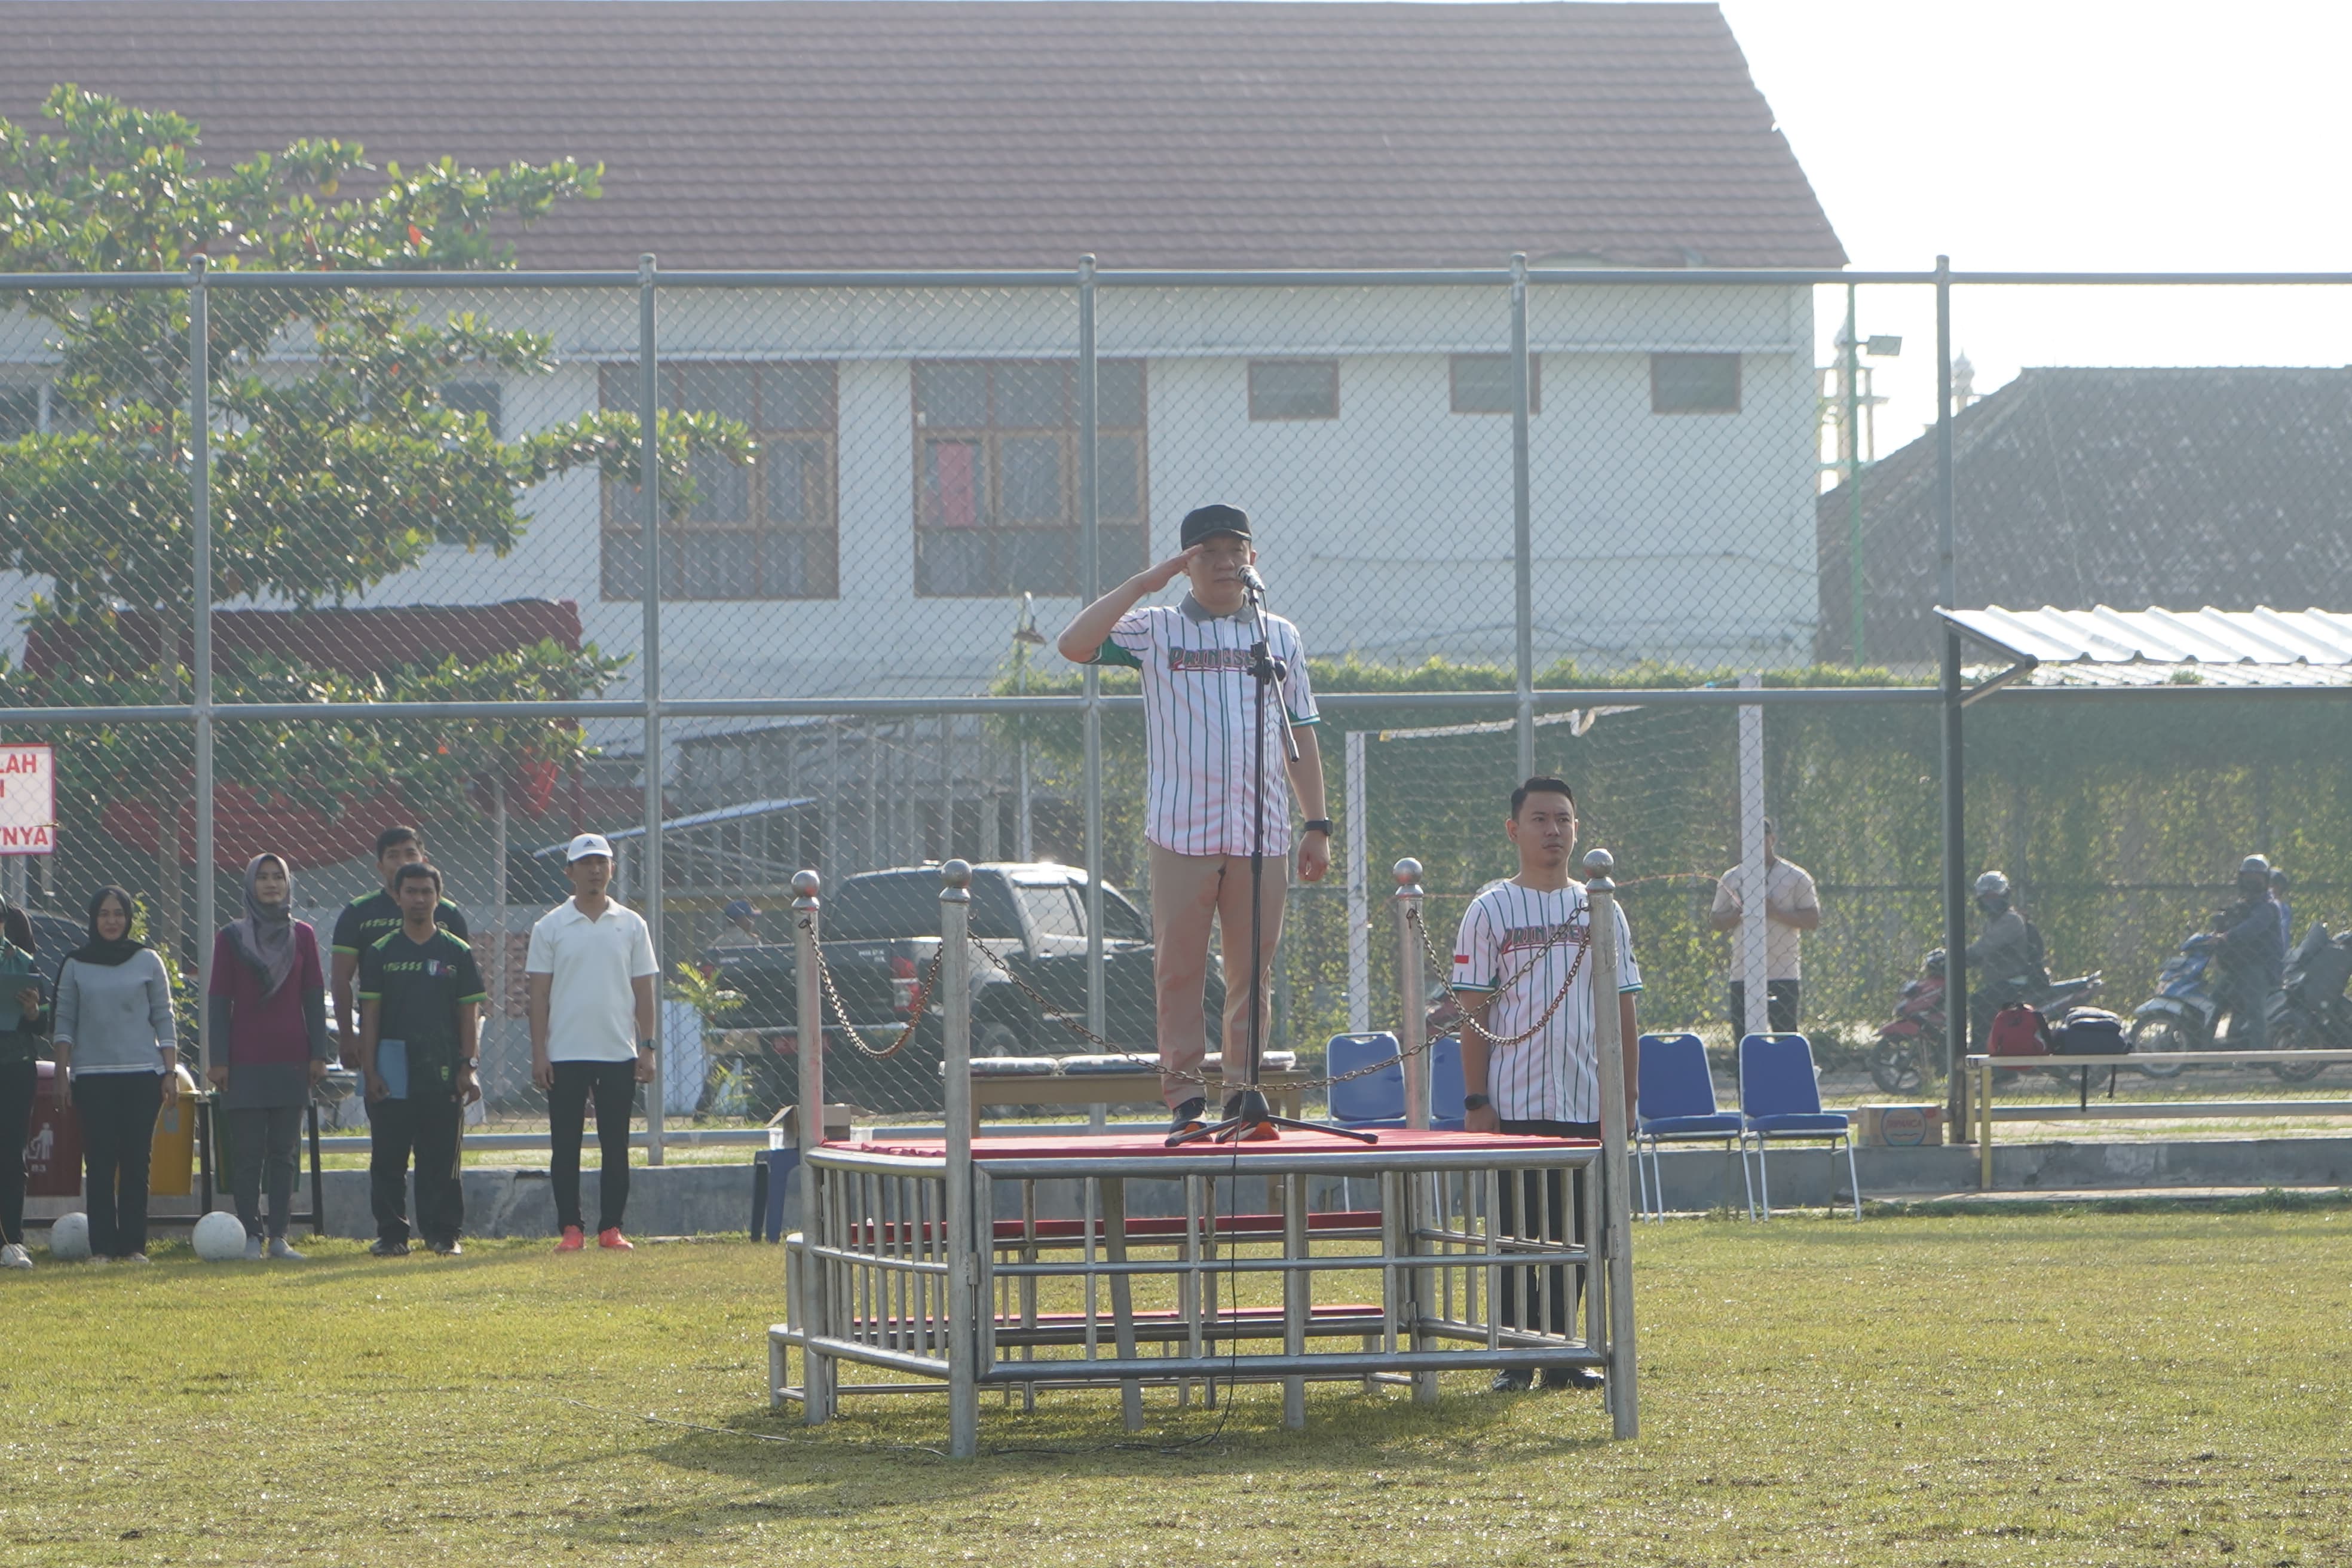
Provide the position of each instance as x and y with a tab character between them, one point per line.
2077	487
360	643
817	133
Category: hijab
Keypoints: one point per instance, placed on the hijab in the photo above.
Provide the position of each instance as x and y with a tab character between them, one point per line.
98	950
264	938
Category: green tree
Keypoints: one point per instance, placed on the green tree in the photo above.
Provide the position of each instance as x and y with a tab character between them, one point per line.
336	461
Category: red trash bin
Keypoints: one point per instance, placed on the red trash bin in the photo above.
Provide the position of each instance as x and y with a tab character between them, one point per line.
53	1151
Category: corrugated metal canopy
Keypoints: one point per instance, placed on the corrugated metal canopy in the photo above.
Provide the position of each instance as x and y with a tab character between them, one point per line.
2267	647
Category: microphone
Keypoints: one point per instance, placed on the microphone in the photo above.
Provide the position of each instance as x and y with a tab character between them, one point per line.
1253	581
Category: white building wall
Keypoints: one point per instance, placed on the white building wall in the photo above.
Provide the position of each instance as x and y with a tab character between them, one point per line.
1387	532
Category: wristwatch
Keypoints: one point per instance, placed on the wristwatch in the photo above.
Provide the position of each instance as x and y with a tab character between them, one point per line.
1476	1102
1321	825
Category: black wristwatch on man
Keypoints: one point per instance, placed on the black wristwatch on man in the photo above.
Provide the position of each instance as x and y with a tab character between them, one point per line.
1321	825
1476	1102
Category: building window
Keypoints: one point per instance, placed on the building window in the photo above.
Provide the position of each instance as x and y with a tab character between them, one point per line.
1482	384
20	411
1294	389
996	475
765	531
472	397
1694	384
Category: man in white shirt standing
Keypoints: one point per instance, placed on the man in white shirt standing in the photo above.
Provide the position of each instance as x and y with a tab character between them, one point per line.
1199	699
1791	907
1529	1065
590	973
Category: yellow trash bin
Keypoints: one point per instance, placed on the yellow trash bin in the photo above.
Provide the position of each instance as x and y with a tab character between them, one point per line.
172	1171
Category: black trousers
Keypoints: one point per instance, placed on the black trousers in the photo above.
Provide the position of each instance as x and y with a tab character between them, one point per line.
19	1081
431	1129
1543	1205
265	1143
614	1086
117	1113
1781	1008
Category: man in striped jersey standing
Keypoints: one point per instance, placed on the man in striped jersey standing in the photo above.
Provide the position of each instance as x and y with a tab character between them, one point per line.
1529	1065
1200	700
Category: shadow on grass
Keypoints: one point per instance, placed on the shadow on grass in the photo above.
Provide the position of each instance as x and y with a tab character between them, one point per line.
872	1462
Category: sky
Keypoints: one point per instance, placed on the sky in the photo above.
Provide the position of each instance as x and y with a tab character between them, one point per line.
2072	135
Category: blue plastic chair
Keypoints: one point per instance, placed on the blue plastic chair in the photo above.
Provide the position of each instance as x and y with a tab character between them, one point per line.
1780	1097
1447	1088
1376	1099
1676	1105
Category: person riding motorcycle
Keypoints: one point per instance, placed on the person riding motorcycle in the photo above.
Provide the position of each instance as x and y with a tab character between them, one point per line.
2251	948
2009	955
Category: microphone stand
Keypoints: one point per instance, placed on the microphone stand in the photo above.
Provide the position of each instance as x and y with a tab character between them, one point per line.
1251	1119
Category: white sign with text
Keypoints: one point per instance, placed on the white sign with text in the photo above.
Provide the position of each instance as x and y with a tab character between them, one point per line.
28	799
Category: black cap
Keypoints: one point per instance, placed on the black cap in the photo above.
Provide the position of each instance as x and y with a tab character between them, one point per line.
1204	523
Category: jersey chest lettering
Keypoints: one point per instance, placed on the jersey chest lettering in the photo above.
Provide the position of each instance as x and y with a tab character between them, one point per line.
1208	660
1576	931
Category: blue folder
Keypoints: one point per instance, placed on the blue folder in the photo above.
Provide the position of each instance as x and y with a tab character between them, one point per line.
391	1066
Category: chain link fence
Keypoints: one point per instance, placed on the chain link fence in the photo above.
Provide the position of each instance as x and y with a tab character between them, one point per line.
293	558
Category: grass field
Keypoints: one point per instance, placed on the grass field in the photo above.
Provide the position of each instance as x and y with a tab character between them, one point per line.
2069	1387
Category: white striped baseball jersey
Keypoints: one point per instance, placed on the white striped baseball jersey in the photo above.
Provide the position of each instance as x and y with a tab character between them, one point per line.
1555	1076
1198	700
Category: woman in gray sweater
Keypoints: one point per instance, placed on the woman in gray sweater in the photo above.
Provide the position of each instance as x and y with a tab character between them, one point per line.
117	1051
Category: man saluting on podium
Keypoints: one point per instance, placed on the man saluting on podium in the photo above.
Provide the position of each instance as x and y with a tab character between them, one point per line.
1201	817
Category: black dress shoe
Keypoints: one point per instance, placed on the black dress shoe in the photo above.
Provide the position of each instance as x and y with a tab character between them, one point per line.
1188	1115
1575	1377
1512	1380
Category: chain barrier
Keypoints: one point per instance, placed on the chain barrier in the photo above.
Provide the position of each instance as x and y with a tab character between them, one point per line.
930	982
841	1012
1201	1080
1413	916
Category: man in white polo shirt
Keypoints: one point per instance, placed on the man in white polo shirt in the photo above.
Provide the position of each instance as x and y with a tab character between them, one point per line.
590	973
1201	787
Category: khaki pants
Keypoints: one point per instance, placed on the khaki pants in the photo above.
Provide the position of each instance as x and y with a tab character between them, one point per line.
1187	891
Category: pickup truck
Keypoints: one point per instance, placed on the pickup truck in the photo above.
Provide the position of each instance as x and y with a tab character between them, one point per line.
880	931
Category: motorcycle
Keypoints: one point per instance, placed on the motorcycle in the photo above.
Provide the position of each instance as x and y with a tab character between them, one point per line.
2185	1013
1911	1049
2309	1011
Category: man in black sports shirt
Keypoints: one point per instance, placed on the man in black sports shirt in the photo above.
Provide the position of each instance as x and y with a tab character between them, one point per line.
420	1016
365	921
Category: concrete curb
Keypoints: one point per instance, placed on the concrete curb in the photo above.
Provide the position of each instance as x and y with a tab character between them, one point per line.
708	1200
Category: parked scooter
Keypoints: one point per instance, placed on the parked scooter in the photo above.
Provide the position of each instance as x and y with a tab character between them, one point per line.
2309	1011
2185	1013
1911	1050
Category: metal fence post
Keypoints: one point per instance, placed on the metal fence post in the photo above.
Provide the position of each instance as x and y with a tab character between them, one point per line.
1954	809
962	1254
1412	1008
200	507
649	460
816	1372
1089	589
1522	521
1616	1172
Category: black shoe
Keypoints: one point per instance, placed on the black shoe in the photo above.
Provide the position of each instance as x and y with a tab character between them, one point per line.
1512	1380
1188	1116
449	1248
390	1249
1583	1378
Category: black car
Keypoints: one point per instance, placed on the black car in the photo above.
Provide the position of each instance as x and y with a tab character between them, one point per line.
880	933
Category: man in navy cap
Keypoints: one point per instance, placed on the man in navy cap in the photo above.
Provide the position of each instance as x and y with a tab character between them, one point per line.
1200	703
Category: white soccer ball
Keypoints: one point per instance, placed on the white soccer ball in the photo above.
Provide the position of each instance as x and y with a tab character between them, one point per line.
220	1238
70	1238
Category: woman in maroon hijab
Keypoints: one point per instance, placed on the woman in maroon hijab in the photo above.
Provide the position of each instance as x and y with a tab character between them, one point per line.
268	1015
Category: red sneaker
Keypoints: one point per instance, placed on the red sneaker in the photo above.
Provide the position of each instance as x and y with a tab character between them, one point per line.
573	1240
612	1241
